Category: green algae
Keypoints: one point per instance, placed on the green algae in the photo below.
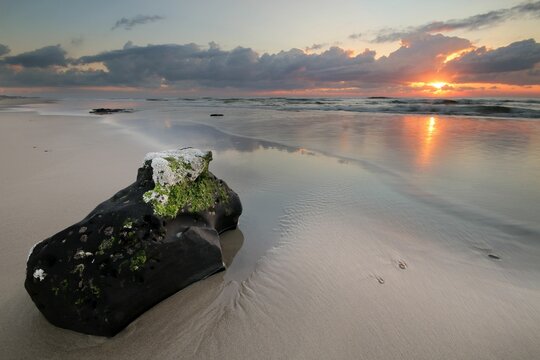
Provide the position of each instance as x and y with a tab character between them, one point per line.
138	260
128	224
177	165
193	195
106	244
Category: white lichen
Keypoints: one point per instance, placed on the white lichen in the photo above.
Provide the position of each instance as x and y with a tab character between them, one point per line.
152	195
171	167
40	274
81	254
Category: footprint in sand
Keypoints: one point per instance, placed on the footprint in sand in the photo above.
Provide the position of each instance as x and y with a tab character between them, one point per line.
402	264
379	279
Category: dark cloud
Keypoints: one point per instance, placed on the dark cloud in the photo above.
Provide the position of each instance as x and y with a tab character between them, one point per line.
531	9
128	45
4	49
512	64
521	55
40	58
129	23
315	47
239	68
355	36
191	66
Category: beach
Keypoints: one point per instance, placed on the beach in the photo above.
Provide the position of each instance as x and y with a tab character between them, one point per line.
364	235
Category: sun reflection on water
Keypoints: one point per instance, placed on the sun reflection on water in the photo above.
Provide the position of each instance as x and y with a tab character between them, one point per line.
428	132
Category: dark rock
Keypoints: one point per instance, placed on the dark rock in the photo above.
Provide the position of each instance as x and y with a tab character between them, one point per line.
142	245
105	111
216	115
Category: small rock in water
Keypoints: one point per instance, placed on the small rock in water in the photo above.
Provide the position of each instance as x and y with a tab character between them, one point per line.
100	274
493	256
105	111
216	114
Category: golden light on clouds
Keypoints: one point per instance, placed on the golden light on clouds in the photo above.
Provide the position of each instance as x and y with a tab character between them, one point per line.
457	54
436	87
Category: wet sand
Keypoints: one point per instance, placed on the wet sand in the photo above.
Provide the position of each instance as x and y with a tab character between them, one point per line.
335	257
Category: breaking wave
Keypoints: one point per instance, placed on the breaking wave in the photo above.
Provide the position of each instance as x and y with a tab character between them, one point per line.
507	108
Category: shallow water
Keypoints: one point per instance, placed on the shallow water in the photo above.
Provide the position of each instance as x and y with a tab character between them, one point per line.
484	172
336	206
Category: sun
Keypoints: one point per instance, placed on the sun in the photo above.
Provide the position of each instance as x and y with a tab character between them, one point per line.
438	85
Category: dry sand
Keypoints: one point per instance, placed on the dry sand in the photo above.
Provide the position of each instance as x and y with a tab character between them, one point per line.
350	273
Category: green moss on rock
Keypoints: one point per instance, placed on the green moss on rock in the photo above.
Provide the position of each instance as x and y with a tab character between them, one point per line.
180	190
194	196
128	224
105	245
138	260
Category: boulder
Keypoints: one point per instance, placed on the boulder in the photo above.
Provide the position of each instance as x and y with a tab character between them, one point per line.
145	243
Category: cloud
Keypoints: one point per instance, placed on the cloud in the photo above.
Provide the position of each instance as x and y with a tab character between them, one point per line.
355	36
40	58
420	58
512	64
129	23
4	49
128	45
77	41
491	18
315	47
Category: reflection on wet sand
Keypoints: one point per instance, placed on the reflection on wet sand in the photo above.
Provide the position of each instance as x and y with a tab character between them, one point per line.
424	129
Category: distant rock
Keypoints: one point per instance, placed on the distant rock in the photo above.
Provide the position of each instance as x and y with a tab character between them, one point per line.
148	241
216	114
105	111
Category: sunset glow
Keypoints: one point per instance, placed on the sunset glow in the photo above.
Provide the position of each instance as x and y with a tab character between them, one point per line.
430	56
438	85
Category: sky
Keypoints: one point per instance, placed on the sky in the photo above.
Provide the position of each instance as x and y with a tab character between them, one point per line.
285	48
